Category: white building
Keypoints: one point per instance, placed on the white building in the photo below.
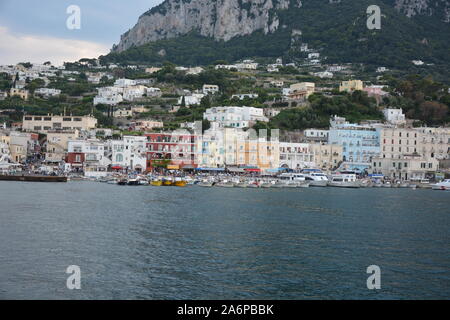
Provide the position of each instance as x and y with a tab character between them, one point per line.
245	96
316	134
296	155
191	100
210	89
235	117
124	83
394	116
108	95
129	152
47	92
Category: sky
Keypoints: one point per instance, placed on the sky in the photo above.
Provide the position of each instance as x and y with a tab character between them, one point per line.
36	31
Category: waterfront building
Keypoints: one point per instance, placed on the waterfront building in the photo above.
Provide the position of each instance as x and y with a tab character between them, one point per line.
43	124
57	144
90	156
407	167
296	156
235	117
327	156
360	143
351	85
129	153
176	150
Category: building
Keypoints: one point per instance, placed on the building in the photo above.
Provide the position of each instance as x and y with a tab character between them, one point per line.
49	122
129	153
407	167
57	144
235	117
301	91
245	96
89	156
174	150
146	125
109	96
296	155
360	143
327	156
152	70
191	100
47	92
351	85
22	93
394	116
317	135
210	89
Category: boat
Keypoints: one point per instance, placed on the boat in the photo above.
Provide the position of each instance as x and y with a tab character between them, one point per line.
122	182
443	185
133	182
179	182
225	184
315	177
344	180
205	183
156	183
167	182
295	180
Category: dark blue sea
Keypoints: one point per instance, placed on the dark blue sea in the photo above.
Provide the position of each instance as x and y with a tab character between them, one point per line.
147	242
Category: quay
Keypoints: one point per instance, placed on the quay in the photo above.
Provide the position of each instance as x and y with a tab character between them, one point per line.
33	178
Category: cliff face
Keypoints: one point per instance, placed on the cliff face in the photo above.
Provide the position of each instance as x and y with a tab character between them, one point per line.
219	19
226	19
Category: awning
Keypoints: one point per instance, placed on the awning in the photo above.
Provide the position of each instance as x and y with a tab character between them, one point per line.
188	167
210	169
173	167
237	170
252	170
116	167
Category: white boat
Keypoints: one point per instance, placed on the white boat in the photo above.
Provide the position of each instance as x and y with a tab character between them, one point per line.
295	179
443	185
344	180
315	177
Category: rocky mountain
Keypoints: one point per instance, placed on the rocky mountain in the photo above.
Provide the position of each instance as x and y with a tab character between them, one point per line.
226	19
199	32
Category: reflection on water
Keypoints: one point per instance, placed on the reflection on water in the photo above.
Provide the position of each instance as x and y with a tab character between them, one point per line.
213	243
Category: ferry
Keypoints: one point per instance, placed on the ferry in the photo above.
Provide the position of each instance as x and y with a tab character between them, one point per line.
344	179
315	177
443	185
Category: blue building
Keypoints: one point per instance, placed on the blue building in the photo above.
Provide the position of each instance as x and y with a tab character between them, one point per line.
360	143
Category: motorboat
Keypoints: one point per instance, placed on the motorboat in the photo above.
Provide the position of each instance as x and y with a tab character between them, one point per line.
443	185
315	177
344	180
225	184
295	179
179	182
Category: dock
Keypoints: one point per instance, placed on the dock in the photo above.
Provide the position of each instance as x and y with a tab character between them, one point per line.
33	178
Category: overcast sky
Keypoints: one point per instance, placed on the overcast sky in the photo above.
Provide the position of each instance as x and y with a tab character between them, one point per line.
35	30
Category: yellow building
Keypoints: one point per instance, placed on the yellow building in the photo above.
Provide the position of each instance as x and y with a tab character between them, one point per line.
301	90
23	94
327	156
351	85
51	122
57	143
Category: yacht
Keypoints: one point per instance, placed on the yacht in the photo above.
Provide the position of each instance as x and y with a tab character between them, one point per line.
315	177
345	179
443	185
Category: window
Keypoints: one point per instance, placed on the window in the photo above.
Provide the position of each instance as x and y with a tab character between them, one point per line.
29	118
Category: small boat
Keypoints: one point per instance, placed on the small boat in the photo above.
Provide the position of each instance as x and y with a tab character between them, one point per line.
133	182
179	183
444	185
156	183
344	180
205	183
122	182
167	182
225	184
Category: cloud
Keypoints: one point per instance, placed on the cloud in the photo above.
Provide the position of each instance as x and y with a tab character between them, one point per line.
16	48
